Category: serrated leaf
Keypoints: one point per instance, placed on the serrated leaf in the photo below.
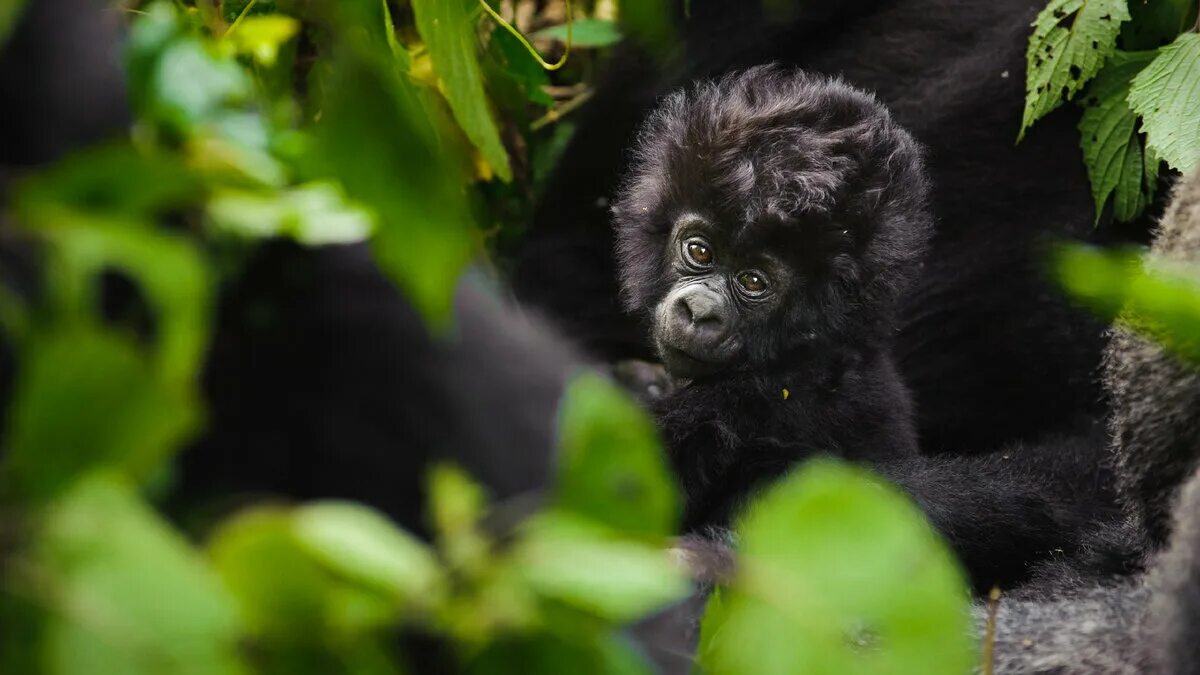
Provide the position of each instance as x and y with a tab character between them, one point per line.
449	33
568	558
363	545
585	33
131	596
838	573
1070	41
1167	96
612	468
1112	148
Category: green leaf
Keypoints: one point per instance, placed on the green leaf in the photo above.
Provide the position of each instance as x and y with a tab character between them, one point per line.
287	595
1155	23
188	83
1112	148
1157	299
585	33
129	596
570	559
650	23
374	137
314	214
365	546
449	33
1167	96
261	37
86	399
519	66
838	573
1070	41
612	468
109	179
10	14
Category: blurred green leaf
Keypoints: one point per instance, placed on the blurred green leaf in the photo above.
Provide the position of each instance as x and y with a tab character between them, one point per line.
363	545
585	33
108	179
261	37
85	399
287	596
650	22
10	14
1167	96
1070	41
1155	23
1112	149
567	558
374	137
189	83
1156	298
611	466
449	32
314	214
129	596
838	573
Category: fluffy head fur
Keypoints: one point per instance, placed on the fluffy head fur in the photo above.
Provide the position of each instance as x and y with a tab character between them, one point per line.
815	166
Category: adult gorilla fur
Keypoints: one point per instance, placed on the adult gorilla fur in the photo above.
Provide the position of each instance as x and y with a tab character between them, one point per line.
1067	623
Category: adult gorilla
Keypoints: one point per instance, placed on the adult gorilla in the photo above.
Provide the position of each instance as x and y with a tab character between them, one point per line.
991	350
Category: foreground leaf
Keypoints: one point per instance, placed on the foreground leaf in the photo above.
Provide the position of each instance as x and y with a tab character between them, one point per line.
570	559
314	214
1167	96
612	468
363	545
131	597
87	399
838	573
449	33
1112	149
1070	41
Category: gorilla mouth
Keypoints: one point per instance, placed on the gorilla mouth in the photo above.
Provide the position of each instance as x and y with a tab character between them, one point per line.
683	364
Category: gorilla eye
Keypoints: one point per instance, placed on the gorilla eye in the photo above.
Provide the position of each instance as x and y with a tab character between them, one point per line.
752	282
698	252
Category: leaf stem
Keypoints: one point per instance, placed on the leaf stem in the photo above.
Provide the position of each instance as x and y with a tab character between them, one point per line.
238	21
533	52
989	637
555	114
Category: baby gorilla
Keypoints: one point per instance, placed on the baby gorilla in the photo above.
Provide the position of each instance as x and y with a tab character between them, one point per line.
769	223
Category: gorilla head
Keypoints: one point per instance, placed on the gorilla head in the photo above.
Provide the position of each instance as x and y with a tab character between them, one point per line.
765	211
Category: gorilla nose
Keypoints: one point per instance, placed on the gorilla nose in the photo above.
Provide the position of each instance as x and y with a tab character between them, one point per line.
700	313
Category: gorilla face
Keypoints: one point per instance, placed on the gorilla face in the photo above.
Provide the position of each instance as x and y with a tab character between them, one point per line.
719	286
765	213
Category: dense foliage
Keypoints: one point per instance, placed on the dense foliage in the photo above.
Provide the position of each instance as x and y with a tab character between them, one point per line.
1134	67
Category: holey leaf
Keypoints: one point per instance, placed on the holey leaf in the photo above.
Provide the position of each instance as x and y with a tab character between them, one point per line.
1167	96
1112	149
1070	41
449	32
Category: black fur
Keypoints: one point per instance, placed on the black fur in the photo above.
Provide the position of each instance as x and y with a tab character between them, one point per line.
990	349
818	174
